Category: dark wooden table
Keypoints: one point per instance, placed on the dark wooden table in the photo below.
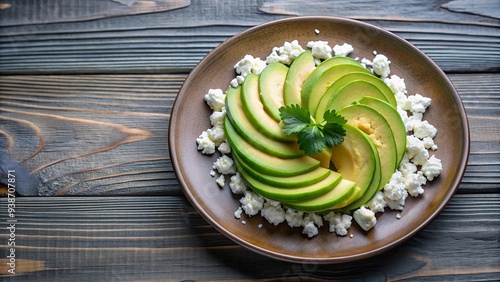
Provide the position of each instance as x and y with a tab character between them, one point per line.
86	89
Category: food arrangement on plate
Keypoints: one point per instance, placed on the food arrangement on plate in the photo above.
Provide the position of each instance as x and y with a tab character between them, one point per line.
311	136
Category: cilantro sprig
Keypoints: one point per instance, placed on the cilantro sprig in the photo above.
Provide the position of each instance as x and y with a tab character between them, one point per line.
313	136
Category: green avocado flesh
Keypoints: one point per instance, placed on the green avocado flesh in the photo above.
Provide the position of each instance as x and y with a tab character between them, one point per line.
395	122
342	81
376	127
254	109
271	87
324	202
263	162
357	160
304	179
291	194
312	95
299	71
251	134
340	178
351	92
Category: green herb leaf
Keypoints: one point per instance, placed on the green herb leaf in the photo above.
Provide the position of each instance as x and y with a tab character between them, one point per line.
295	119
312	136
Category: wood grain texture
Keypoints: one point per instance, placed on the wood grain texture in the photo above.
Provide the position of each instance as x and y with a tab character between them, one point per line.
163	238
156	43
58	11
84	134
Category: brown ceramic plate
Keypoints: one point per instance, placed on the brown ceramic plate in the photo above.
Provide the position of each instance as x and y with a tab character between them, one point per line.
190	116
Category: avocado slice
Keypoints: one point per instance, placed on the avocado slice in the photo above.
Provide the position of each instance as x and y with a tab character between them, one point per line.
378	129
299	71
324	202
311	96
394	119
263	162
357	159
254	109
284	195
350	93
304	179
251	134
324	103
321	68
271	87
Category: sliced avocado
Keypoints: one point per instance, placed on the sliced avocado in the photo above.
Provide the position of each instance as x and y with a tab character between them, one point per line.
324	202
321	68
324	102
349	93
323	157
356	194
290	194
271	85
311	96
394	119
378	129
254	109
263	162
304	179
251	134
357	159
299	71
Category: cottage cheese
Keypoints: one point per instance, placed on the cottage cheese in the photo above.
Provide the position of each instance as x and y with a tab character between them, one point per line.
381	66
285	54
221	181
245	66
342	50
237	185
273	212
365	218
215	98
377	203
224	165
205	144
432	168
339	223
252	203
320	49
294	218
395	192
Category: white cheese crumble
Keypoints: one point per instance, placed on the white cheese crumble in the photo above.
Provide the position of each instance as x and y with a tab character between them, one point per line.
238	213
377	203
365	218
339	223
294	218
432	168
342	50
251	203
320	49
205	144
273	212
221	181
236	184
285	54
381	66
310	229
224	165
246	66
395	192
215	98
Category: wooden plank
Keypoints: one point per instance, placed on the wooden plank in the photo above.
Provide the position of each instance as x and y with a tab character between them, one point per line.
146	238
163	42
107	134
